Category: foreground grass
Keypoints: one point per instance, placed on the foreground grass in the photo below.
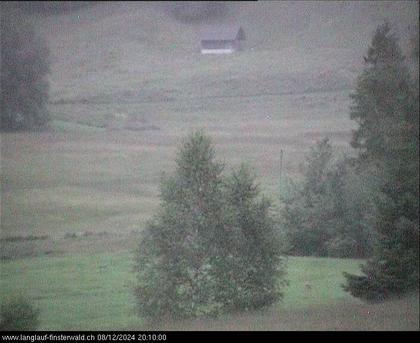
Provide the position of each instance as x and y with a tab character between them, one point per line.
397	315
94	292
79	292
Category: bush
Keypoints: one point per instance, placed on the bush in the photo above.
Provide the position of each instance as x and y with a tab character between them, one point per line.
18	314
212	246
24	68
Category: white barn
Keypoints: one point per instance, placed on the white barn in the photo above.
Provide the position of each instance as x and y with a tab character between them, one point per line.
222	39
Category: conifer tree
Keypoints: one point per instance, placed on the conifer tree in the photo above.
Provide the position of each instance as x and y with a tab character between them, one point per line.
385	105
211	247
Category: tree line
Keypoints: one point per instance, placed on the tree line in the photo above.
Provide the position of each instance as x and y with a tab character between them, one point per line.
368	205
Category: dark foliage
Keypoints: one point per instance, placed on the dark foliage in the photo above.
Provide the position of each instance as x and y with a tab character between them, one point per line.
18	314
386	106
330	211
24	68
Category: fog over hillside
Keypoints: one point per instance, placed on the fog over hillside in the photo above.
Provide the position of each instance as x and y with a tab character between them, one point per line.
128	45
145	165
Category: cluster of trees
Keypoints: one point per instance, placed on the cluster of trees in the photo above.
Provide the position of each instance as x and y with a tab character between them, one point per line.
213	247
330	210
25	66
368	205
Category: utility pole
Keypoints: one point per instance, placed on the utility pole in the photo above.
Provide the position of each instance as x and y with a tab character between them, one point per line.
281	165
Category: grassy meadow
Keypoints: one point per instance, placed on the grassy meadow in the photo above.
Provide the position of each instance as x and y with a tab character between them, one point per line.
127	84
95	291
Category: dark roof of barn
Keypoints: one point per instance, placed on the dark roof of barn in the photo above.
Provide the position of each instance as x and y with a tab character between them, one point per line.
222	32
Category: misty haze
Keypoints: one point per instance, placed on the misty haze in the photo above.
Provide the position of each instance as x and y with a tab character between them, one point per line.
209	165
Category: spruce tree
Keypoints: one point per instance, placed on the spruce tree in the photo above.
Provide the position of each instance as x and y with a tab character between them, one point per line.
256	263
211	247
385	105
176	256
308	212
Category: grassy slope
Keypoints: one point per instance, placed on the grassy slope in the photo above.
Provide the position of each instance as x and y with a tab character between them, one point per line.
288	88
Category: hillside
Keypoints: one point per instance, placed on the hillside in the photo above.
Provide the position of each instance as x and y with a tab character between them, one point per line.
117	56
133	65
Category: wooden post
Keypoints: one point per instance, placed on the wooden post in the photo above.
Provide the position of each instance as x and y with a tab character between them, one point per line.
281	165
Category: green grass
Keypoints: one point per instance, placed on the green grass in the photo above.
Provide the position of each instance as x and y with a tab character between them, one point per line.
317	281
94	292
78	292
78	178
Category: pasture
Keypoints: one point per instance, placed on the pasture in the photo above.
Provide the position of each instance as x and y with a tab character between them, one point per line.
70	181
95	292
74	199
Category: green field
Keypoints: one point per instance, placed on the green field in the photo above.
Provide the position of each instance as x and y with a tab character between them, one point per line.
128	83
95	292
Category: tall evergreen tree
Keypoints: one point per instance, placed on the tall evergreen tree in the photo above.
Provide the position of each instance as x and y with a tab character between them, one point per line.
307	213
256	264
385	105
176	256
212	247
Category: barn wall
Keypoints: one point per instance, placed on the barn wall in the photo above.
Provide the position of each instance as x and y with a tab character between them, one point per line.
221	47
216	51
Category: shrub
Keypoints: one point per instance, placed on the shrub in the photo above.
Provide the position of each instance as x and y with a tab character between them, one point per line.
211	247
18	314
